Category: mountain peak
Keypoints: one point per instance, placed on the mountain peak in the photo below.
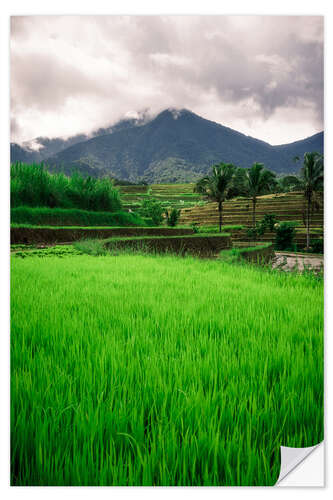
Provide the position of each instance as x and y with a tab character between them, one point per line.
175	113
176	146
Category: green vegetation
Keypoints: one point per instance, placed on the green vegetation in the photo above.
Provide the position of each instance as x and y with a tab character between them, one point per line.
311	182
129	367
235	254
44	216
259	181
172	217
188	236
317	245
170	196
194	244
216	229
168	150
215	186
21	246
285	236
287	184
267	223
35	226
54	251
91	247
285	232
33	186
153	210
286	207
139	372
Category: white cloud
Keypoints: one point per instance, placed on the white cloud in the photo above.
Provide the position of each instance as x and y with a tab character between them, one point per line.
261	75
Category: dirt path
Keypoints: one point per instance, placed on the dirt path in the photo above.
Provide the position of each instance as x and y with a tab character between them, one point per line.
289	261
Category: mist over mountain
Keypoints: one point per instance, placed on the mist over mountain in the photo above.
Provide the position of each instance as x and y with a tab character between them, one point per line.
175	146
40	148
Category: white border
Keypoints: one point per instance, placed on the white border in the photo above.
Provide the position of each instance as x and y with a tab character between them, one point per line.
37	7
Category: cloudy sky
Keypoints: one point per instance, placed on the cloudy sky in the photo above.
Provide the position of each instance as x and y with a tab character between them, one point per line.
260	75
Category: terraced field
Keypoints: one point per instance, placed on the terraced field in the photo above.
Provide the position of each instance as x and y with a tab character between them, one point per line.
159	370
286	207
171	195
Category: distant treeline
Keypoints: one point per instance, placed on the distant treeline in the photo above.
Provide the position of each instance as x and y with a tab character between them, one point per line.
32	185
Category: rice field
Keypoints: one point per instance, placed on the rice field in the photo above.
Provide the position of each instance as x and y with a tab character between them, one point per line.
161	370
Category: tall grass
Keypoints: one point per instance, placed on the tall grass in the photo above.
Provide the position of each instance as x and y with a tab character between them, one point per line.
33	186
141	370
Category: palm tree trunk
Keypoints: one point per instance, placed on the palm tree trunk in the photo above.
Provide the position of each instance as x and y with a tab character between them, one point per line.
220	216
308	221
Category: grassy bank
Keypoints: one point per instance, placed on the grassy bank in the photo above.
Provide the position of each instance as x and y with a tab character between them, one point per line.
259	253
216	229
141	370
27	234
44	216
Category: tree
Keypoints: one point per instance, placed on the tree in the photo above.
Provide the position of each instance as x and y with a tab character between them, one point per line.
152	209
215	187
238	187
259	181
311	182
172	217
287	183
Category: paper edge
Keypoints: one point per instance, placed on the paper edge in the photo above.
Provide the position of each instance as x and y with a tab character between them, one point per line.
301	454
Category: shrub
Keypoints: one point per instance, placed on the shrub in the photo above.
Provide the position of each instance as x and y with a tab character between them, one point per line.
285	234
317	245
152	209
195	227
268	222
172	217
253	232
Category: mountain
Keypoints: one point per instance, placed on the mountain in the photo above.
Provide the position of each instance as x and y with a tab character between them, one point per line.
298	148
41	148
21	154
175	146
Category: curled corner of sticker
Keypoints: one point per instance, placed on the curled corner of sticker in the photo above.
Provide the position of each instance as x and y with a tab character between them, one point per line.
291	458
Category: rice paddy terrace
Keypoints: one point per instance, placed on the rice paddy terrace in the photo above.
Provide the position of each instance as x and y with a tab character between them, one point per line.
174	195
285	206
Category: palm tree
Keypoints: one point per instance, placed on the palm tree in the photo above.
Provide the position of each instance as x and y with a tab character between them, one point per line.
215	186
259	181
311	181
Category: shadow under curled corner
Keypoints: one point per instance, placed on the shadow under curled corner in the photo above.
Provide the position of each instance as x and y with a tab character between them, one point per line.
291	458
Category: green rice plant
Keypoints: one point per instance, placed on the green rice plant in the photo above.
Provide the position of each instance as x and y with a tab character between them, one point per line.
159	370
90	247
21	246
237	254
53	251
45	216
215	229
